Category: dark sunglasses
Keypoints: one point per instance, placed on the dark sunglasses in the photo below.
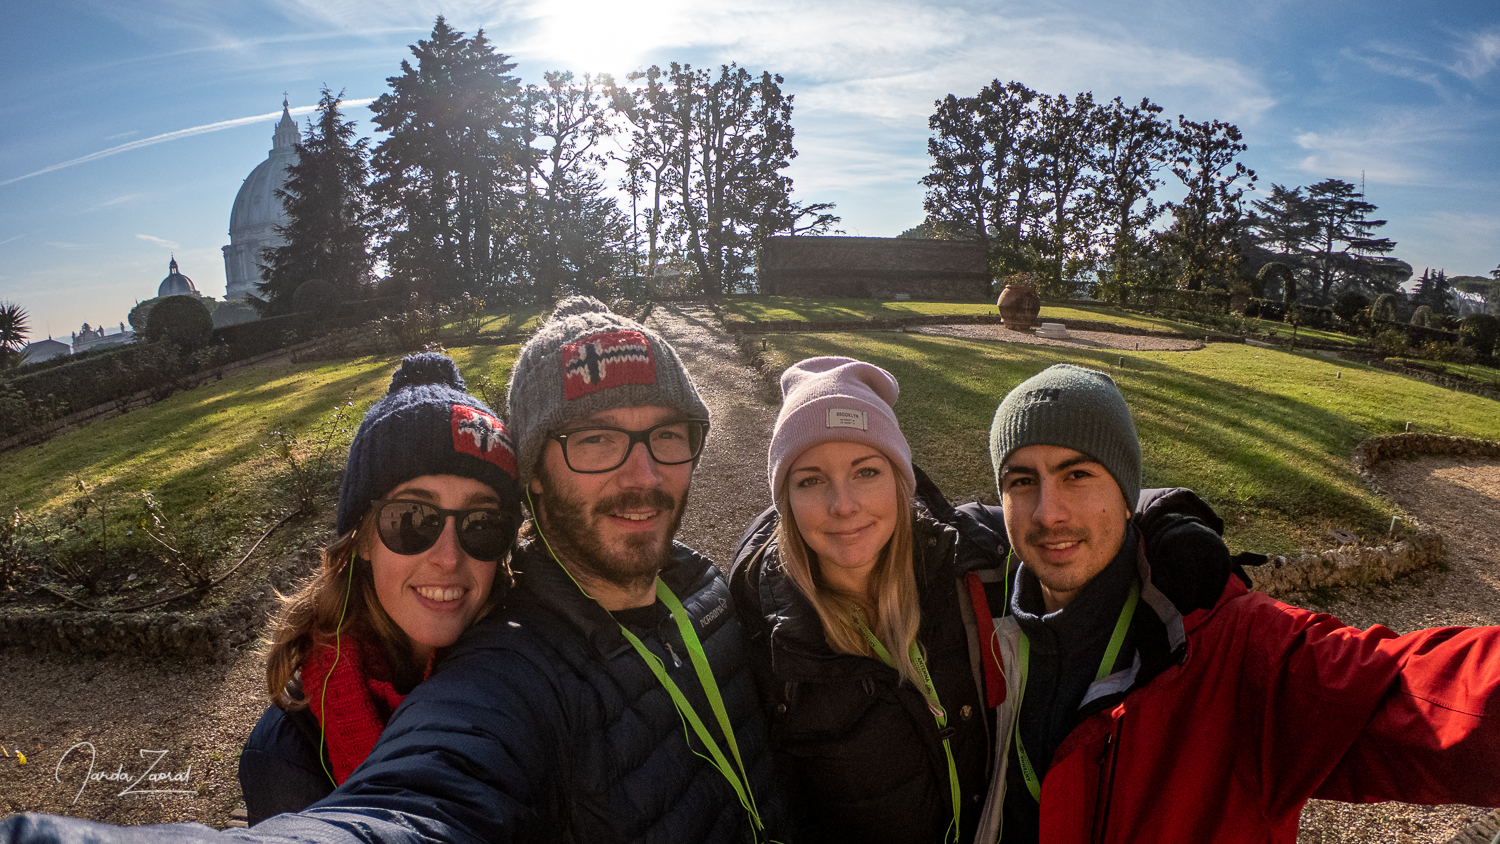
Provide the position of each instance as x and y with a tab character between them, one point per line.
411	527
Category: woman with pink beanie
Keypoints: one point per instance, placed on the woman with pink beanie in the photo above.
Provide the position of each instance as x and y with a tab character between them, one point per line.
847	589
866	601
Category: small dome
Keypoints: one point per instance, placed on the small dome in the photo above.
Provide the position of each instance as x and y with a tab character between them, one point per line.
176	284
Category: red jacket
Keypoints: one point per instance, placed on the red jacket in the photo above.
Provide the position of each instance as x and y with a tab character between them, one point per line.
1270	706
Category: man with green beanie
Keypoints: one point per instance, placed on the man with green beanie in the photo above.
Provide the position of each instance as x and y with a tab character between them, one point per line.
1160	699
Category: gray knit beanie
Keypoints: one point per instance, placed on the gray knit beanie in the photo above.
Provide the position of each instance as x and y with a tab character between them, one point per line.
1071	407
586	359
833	399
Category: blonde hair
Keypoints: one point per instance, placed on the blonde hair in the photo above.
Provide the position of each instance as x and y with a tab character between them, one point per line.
312	616
897	609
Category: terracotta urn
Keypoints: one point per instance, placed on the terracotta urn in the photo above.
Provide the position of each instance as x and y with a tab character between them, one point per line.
1019	304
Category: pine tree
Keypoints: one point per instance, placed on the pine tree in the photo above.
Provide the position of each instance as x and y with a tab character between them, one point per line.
1434	291
448	175
329	229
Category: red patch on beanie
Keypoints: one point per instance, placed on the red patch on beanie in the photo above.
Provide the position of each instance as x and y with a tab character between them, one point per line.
482	435
611	359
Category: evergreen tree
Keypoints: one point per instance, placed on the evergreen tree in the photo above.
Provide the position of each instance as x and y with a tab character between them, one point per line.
1344	248
1133	147
329	227
449	172
981	184
1067	148
1434	291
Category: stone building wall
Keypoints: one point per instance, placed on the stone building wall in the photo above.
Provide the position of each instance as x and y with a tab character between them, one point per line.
874	267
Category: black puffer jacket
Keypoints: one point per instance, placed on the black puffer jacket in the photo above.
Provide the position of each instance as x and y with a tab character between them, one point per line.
542	724
858	752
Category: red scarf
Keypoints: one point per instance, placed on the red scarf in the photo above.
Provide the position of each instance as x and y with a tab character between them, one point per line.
360	699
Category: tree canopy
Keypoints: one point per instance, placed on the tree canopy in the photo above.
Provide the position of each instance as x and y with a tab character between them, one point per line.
329	226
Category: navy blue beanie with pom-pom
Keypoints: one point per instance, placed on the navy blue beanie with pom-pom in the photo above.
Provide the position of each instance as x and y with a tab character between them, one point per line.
427	425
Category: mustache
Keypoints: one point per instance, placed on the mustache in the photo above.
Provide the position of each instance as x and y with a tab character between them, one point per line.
636	500
1050	537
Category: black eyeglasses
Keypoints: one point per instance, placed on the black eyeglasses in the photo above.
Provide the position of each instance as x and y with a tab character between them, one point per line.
598	449
411	527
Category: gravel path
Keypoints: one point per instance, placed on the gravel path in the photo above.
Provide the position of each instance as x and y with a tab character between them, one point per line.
1460	498
729	488
1076	339
201	714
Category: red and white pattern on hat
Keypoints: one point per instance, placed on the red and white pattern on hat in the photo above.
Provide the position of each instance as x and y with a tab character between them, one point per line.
482	435
610	359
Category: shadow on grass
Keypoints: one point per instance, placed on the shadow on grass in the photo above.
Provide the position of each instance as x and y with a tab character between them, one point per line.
1266	440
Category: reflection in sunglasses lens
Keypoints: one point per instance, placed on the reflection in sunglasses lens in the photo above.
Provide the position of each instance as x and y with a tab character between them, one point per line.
411	527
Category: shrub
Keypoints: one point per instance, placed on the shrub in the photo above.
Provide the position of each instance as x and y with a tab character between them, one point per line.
1479	332
469	316
1446	352
1384	307
234	312
314	295
1420	315
183	321
1348	305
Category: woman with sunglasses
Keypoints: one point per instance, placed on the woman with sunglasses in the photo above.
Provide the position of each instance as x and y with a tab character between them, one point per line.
427	515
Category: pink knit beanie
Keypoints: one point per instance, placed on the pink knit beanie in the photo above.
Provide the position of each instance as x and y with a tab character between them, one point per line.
834	399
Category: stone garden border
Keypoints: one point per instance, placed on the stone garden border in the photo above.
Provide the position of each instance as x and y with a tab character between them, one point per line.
199	635
1355	565
736	325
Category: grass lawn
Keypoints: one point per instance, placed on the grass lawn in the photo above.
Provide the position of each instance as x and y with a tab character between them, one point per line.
1282	330
1487	375
1263	435
202	448
765	308
500	322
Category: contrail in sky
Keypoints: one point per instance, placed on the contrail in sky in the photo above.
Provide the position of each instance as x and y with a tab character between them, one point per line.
181	133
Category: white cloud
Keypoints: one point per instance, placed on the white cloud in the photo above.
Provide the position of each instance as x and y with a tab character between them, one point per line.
109	203
62	244
178	135
123	135
1394	148
158	241
1461	243
11	239
1479	55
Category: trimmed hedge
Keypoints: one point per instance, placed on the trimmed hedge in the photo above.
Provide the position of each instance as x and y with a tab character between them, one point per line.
36	398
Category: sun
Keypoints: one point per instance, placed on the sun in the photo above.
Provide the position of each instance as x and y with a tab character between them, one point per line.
607	36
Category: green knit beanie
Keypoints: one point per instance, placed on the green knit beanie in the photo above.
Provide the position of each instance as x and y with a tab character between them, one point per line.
1071	407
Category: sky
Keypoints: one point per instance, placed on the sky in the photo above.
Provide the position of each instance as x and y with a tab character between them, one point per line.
128	125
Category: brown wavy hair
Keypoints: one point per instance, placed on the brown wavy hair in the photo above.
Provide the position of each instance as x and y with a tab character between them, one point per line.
311	616
898	608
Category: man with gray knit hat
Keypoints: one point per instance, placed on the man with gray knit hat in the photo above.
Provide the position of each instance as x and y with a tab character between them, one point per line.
610	699
1160	699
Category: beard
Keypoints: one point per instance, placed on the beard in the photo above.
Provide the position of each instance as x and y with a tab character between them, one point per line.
630	561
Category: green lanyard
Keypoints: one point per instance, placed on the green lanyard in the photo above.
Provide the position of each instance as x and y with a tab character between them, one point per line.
1111	653
938	713
736	775
738	780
